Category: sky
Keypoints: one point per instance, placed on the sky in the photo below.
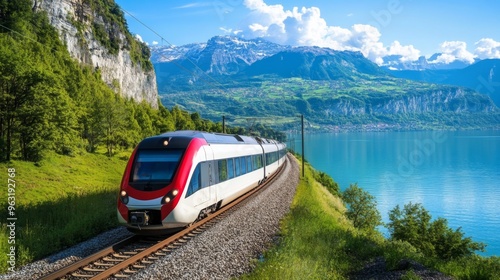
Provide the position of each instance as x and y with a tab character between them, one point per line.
458	29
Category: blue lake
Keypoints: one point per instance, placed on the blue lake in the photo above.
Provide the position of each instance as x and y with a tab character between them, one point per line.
454	175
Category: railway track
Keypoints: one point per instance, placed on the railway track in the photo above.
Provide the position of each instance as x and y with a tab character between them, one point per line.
135	253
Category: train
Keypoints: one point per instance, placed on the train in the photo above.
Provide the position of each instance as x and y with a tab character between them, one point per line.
177	178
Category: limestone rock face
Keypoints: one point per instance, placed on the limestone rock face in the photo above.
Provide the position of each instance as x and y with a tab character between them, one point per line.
74	20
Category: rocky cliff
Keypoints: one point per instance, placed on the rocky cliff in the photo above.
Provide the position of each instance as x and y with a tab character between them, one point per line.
92	38
447	99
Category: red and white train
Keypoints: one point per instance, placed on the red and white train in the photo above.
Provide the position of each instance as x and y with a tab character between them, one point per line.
175	178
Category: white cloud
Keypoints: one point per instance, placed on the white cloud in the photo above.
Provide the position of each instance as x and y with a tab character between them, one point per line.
487	48
230	31
306	27
408	53
139	38
155	43
454	50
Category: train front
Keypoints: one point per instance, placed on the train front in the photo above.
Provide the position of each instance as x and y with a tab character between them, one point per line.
153	182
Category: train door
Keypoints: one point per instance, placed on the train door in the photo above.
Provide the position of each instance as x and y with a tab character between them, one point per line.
263	155
200	182
209	170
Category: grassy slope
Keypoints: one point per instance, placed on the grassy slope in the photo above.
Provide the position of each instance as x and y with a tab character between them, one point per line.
50	196
318	242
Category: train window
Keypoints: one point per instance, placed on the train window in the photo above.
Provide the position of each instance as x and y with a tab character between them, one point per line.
243	165
153	168
237	167
222	170
249	164
215	173
230	168
195	183
205	174
259	161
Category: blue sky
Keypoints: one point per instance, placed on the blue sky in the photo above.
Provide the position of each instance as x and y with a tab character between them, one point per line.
459	29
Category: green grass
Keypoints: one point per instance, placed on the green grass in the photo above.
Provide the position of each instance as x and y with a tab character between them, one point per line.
59	202
317	241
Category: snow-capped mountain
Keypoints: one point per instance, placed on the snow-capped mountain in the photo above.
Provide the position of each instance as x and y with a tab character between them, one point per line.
224	57
220	55
161	54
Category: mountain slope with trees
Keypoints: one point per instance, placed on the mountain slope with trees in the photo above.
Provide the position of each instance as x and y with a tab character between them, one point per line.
482	76
334	90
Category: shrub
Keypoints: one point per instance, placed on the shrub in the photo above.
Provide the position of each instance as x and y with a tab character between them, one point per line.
327	181
362	208
434	239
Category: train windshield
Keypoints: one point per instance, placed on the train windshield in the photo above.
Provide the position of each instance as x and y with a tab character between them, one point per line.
154	168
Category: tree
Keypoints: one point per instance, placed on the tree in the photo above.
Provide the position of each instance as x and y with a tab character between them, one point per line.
361	208
182	119
434	239
24	116
327	181
114	121
164	121
143	115
412	225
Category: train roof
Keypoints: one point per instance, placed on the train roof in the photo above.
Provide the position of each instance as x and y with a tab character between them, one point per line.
218	138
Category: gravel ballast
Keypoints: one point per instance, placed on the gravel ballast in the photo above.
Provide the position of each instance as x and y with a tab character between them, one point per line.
57	261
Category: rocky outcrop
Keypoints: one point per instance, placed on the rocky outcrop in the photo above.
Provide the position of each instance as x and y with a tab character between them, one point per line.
74	19
452	99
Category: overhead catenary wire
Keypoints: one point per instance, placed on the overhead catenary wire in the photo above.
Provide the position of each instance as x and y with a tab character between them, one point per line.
27	37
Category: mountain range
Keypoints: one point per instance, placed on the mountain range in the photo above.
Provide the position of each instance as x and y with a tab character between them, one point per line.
248	78
256	49
396	62
482	76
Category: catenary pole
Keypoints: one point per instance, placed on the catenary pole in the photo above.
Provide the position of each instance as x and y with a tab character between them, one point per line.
303	157
223	124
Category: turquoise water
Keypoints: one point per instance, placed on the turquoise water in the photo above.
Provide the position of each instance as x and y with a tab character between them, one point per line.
454	175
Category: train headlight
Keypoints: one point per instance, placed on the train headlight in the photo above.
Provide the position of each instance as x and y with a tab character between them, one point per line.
124	197
169	196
